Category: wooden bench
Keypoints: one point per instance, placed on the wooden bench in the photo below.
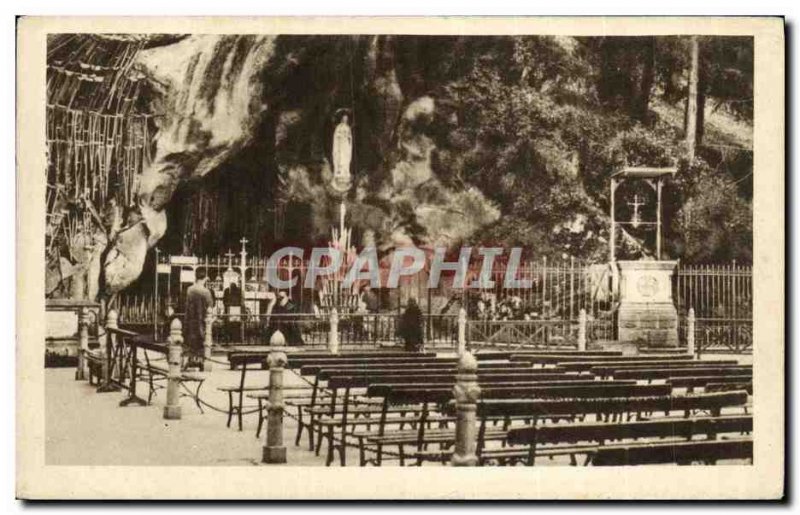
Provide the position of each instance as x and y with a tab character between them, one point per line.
307	405
431	394
692	382
243	360
327	418
667	404
313	366
727	387
564	437
544	408
682	453
152	371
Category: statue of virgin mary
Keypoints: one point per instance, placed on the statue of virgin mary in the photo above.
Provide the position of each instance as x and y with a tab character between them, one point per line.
342	150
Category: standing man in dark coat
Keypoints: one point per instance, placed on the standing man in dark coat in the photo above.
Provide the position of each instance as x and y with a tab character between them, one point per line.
198	300
410	328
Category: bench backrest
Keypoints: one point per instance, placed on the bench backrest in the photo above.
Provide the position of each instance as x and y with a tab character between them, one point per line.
369	361
680	452
364	381
398	393
695	381
727	387
484	355
338	377
663	373
413	367
663	403
237	359
598	432
607	368
567	358
149	344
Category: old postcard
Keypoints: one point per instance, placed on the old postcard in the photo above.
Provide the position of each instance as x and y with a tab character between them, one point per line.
400	258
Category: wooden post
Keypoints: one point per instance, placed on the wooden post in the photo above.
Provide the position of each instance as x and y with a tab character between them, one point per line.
466	392
172	410
112	323
333	337
274	451
83	343
582	330
462	331
690	322
208	340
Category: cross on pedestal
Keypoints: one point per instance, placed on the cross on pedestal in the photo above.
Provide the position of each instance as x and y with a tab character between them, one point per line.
230	255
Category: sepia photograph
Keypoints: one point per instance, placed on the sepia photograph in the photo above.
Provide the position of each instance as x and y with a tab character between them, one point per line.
358	251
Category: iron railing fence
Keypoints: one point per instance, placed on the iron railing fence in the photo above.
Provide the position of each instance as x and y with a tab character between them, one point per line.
714	291
545	312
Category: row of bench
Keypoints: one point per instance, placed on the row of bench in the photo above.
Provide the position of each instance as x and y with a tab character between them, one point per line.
392	392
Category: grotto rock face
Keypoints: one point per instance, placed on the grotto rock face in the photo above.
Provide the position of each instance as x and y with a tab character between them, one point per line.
224	96
211	102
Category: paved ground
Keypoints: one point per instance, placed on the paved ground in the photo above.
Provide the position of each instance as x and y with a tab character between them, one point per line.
87	428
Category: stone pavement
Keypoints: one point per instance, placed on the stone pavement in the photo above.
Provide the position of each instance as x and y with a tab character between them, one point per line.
87	428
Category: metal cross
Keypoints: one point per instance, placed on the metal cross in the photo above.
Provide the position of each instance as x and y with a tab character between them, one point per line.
636	204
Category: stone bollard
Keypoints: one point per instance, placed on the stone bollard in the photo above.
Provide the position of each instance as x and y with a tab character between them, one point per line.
83	343
172	411
277	339
333	337
466	392
462	331
274	451
582	330
690	323
208	340
112	322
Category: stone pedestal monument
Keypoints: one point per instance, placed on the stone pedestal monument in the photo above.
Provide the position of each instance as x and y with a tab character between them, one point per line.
647	314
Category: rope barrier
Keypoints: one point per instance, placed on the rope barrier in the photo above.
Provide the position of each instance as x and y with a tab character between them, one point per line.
197	399
217	361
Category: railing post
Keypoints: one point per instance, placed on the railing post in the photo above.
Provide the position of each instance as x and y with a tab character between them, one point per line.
690	326
466	392
208	340
582	330
274	451
172	410
83	343
462	331
112	323
333	337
